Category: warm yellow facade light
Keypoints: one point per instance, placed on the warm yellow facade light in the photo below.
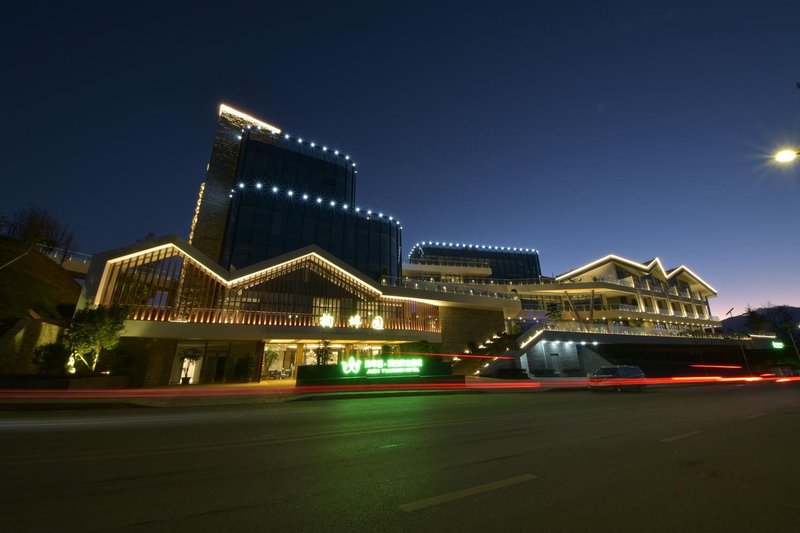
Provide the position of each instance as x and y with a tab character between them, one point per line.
326	320
244	116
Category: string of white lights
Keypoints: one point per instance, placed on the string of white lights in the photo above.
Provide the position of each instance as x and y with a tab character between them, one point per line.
319	200
472	247
312	144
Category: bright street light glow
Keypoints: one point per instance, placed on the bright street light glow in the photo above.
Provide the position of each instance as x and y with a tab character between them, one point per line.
786	156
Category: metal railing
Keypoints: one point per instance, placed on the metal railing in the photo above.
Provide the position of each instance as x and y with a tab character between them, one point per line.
628	330
62	255
435	262
446	288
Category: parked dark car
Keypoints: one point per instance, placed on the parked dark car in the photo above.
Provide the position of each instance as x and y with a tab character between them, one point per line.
619	378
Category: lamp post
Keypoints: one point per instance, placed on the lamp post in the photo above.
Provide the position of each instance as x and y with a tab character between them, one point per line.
787	155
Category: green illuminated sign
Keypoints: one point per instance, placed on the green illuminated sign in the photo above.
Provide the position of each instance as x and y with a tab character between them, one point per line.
778	345
382	367
351	366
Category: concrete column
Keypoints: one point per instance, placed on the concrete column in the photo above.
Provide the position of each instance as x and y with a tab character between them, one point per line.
299	358
640	300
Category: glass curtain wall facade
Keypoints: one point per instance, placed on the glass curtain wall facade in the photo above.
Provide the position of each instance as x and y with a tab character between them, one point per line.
240	221
266	224
506	264
273	160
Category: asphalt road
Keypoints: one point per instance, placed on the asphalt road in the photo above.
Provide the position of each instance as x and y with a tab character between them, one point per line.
710	458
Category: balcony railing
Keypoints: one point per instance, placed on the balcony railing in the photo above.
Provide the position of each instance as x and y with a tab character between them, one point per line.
626	330
62	255
213	315
436	262
447	288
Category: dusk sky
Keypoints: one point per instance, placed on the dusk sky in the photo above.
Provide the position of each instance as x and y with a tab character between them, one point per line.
576	129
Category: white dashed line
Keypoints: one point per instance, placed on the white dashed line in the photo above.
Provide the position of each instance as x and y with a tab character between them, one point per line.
678	437
457	495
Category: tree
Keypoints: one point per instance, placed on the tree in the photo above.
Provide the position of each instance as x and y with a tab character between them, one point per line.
553	313
35	225
93	330
757	322
51	359
270	356
323	352
188	355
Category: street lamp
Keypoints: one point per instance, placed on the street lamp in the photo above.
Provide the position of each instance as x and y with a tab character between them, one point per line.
786	155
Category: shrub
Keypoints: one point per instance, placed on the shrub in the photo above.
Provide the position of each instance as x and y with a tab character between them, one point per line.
51	359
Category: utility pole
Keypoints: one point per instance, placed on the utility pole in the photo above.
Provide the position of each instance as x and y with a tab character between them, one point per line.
794	343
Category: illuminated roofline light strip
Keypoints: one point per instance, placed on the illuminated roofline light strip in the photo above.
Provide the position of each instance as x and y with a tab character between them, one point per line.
686	269
244	116
640	266
224	108
162	247
357	280
235	281
243	279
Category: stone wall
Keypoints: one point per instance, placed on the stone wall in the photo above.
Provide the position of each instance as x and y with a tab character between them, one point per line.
212	215
460	326
18	344
562	356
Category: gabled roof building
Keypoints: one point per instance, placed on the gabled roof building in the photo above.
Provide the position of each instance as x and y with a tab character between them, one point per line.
281	259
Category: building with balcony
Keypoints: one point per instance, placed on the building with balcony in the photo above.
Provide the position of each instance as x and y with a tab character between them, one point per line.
281	259
615	291
611	291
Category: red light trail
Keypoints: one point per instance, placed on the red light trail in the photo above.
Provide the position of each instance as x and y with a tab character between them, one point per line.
261	390
736	367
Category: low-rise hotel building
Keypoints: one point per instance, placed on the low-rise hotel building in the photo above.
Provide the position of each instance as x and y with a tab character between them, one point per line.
281	261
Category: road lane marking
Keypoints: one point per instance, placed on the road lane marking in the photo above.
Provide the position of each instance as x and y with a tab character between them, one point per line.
678	437
754	416
457	495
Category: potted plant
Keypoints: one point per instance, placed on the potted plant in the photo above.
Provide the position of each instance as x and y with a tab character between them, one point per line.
188	356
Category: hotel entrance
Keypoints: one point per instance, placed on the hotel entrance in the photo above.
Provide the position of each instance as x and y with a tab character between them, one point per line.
281	359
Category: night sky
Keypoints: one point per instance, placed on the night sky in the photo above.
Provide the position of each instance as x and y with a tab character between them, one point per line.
579	130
